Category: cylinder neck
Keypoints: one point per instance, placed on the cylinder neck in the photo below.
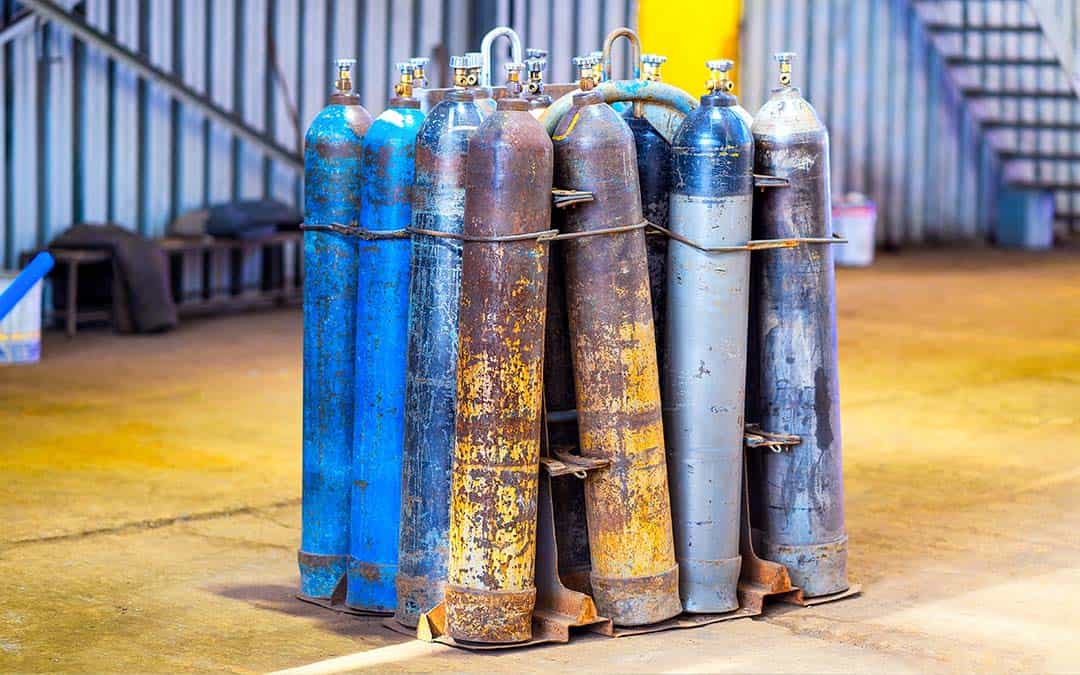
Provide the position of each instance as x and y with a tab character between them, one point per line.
407	102
592	97
718	99
340	98
461	95
512	104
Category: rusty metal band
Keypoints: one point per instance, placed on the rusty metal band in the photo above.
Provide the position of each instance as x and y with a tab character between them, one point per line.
543	235
607	230
752	245
358	232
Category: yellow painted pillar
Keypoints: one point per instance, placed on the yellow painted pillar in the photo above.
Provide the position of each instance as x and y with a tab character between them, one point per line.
689	32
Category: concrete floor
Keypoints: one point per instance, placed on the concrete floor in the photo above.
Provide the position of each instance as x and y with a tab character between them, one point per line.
150	497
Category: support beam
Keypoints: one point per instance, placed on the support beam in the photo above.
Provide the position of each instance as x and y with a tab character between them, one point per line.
50	11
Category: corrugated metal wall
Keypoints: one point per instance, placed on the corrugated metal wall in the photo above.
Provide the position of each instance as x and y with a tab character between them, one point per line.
900	132
86	140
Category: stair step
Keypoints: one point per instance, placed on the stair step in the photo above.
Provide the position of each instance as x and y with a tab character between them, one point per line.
990	61
1056	186
1032	125
1031	155
944	28
980	92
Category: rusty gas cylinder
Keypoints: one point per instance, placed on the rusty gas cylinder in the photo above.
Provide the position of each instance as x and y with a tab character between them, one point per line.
634	576
490	591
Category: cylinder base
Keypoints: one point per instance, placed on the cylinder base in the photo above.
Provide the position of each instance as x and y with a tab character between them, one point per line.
637	601
320	574
709	586
818	569
371	587
416	595
498	617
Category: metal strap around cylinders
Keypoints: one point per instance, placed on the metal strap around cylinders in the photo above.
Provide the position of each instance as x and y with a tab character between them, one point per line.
752	245
353	231
543	235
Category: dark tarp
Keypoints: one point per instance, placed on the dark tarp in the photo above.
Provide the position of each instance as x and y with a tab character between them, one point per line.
251	219
140	268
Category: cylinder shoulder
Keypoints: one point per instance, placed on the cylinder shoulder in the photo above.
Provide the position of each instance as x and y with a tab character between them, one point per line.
339	123
593	125
518	128
449	120
713	127
394	124
787	114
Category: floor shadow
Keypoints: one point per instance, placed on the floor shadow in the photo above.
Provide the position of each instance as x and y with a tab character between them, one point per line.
282	599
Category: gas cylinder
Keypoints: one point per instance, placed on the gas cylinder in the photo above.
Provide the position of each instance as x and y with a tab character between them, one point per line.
490	591
381	330
654	179
438	205
331	201
634	577
794	367
705	368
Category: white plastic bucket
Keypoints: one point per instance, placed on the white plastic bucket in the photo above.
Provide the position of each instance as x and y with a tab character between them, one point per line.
20	331
855	218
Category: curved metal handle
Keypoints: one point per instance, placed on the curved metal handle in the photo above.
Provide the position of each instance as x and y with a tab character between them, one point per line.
516	54
664	105
635	46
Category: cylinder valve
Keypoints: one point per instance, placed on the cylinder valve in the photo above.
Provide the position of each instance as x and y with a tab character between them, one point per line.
459	65
535	65
419	71
719	79
650	66
513	78
784	60
344	82
586	71
404	85
476	62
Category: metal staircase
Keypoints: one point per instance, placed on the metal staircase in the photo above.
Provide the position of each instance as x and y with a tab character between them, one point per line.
1015	61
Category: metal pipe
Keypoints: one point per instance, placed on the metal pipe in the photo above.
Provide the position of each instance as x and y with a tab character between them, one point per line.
635	53
516	53
174	85
665	105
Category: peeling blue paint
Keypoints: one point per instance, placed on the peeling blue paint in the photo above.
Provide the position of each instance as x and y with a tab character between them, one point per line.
332	190
431	374
381	334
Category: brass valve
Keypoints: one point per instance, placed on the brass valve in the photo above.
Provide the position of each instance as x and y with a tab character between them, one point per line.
476	63
650	66
404	86
597	59
419	71
344	83
784	60
719	80
586	69
460	67
513	78
535	66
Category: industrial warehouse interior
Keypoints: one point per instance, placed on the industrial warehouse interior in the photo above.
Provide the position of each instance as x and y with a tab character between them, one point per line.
509	335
